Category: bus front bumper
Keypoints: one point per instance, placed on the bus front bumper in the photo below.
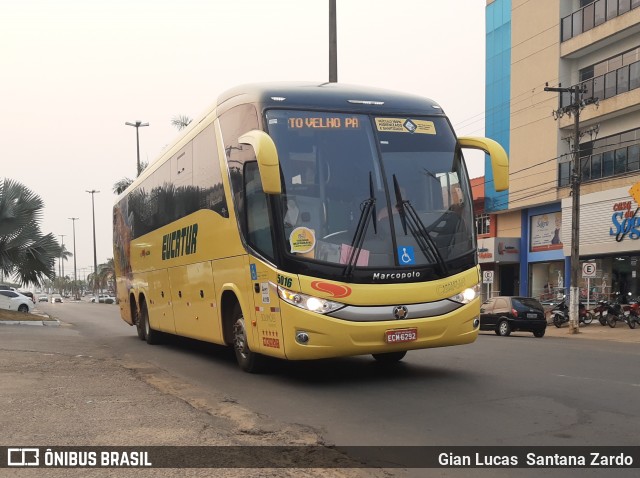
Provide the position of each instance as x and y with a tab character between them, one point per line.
313	336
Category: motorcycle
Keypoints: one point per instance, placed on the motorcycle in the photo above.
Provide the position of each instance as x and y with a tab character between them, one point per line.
603	310
634	314
560	314
630	315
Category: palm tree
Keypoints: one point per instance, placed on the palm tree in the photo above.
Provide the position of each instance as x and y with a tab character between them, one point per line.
64	253
181	121
106	274
124	183
25	252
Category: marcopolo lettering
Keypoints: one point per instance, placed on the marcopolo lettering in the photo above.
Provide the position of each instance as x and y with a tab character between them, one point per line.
180	242
396	276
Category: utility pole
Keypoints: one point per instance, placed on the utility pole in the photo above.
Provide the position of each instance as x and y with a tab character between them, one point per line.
95	257
576	105
333	43
75	269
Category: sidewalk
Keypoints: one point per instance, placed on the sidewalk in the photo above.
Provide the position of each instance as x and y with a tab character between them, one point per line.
595	331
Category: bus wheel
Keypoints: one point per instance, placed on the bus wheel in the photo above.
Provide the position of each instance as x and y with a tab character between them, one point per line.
249	361
389	357
152	336
138	322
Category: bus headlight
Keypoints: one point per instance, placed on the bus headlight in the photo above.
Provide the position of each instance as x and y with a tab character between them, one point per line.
467	295
308	302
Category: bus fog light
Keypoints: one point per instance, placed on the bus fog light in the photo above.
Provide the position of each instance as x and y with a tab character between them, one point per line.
476	323
302	338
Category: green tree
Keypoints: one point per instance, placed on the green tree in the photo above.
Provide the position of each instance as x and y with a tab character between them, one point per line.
124	183
181	122
106	275
25	252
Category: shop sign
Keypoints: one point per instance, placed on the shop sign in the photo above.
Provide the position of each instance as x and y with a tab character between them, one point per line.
545	232
498	249
626	222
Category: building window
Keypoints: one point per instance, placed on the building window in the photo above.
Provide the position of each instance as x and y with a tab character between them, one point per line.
610	77
483	224
593	13
605	157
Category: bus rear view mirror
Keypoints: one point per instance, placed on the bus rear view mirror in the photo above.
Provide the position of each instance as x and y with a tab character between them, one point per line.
267	156
499	159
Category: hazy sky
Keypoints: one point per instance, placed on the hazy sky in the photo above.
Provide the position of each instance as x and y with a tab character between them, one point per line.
73	71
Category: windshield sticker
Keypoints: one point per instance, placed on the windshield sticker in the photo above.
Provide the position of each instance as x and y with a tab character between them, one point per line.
264	290
405	125
302	239
406	255
345	254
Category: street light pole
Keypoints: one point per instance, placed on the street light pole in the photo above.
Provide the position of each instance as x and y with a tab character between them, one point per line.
137	125
95	257
75	269
333	43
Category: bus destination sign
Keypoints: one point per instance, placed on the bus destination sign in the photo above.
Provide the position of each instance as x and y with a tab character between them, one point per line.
324	122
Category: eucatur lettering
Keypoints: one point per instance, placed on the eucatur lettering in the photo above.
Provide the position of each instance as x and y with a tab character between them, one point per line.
180	242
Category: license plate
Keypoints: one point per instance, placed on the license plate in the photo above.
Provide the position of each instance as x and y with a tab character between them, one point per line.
627	313
400	335
605	313
532	316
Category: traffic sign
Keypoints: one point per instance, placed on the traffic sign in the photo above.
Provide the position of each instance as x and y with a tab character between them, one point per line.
487	277
589	270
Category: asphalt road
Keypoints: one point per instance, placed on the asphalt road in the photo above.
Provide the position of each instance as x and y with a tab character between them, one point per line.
517	390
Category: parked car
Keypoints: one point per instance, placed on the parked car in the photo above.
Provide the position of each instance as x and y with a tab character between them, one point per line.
104	299
56	298
28	294
12	300
43	298
508	314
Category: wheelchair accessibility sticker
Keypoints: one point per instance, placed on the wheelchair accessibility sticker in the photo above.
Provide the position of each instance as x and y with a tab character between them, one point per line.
406	255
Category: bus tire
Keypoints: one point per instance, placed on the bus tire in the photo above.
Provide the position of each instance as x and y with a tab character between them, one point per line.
389	357
152	336
248	361
137	321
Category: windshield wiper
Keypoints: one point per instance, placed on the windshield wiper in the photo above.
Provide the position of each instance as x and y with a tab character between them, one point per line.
368	211
410	219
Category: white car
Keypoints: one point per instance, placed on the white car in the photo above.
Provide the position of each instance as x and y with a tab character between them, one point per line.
56	298
11	300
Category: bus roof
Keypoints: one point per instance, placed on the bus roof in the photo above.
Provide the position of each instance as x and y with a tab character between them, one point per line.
327	96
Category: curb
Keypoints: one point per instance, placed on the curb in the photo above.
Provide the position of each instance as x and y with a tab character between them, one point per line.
47	323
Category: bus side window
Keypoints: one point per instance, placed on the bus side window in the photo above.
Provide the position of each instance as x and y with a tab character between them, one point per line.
257	210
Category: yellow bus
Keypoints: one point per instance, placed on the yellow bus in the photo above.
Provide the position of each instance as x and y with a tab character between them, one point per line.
306	221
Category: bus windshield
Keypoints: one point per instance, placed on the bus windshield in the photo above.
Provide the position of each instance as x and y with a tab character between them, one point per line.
363	191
